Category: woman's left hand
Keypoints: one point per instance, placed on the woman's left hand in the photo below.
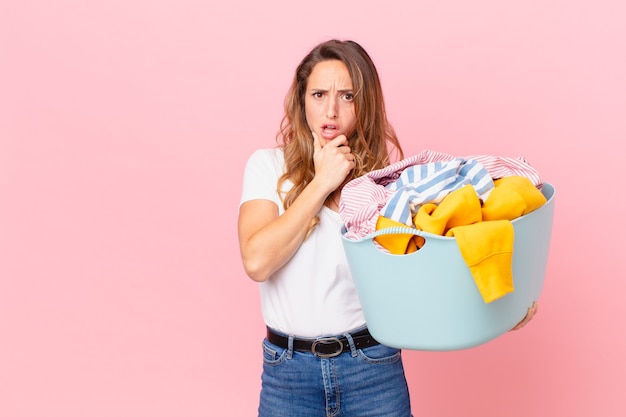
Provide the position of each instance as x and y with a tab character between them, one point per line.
529	315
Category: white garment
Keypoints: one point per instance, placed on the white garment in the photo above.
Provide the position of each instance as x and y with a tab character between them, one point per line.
313	294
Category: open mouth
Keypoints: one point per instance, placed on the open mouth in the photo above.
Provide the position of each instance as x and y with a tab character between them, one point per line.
329	130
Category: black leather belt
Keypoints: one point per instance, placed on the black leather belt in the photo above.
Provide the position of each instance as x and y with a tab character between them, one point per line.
324	347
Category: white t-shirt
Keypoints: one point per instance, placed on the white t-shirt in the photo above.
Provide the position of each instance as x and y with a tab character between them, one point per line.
313	294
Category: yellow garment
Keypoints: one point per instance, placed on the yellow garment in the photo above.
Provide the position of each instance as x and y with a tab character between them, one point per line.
487	249
511	198
483	233
458	208
398	244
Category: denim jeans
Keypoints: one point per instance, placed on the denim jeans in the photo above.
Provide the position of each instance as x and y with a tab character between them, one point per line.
367	382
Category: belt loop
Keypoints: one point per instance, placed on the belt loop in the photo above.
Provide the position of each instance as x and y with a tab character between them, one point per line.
351	343
290	347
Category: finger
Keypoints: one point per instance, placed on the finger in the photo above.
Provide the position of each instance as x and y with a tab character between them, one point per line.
316	142
532	310
519	325
340	140
341	143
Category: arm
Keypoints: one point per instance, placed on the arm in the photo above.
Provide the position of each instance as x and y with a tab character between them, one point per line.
266	240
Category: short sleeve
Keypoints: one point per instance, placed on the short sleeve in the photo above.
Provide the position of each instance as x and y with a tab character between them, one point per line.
261	174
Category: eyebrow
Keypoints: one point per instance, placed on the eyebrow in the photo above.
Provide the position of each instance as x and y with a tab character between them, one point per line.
323	90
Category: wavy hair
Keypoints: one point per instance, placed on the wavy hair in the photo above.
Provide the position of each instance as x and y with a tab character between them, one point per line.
373	139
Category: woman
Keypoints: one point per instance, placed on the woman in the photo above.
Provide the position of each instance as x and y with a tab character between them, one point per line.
319	359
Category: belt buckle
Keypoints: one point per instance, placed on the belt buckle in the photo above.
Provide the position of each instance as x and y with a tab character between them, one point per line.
325	341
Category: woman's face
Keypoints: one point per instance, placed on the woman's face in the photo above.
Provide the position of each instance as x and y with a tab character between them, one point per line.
329	101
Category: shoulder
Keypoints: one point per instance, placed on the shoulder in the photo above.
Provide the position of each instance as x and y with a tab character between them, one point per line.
269	154
265	165
273	157
263	169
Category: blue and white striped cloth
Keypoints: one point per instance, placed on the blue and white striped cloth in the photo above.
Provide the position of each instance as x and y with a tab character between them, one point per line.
430	183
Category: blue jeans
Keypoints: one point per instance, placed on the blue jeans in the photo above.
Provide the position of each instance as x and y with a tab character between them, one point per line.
367	382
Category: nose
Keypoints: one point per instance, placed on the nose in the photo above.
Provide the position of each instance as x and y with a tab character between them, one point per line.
331	107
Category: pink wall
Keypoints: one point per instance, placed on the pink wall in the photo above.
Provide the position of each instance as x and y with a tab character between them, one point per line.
124	128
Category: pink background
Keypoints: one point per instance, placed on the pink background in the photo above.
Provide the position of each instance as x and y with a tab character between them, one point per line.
124	129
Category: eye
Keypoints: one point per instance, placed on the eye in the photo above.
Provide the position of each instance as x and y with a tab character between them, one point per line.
348	97
318	94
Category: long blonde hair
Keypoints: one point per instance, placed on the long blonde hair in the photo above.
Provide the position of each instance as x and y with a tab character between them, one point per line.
373	133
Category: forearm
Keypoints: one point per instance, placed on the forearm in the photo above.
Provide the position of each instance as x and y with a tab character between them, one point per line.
269	241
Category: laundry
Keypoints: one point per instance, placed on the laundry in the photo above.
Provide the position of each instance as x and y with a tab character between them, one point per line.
511	198
431	182
397	243
487	249
483	231
459	208
364	198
